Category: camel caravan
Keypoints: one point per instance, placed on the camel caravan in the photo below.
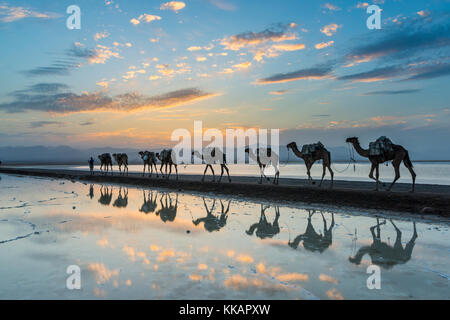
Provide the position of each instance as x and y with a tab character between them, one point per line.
379	152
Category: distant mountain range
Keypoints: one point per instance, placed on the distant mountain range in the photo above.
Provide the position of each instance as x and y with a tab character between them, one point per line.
69	155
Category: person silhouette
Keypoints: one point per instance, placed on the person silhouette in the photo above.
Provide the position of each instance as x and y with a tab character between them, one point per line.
91	165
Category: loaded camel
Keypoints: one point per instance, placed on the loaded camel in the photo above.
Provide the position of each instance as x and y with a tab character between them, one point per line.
383	254
149	159
149	204
166	160
122	160
263	228
263	161
211	222
168	211
105	162
398	155
312	241
210	156
320	153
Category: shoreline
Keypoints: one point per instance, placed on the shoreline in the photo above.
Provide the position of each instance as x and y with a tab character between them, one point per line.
429	200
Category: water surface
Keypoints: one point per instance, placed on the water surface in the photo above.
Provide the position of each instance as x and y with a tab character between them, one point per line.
133	243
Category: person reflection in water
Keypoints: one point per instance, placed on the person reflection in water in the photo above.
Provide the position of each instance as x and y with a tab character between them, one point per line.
105	196
168	211
382	254
263	228
149	204
122	200
312	241
91	191
211	222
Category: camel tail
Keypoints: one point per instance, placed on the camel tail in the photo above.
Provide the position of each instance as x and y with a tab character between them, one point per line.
407	160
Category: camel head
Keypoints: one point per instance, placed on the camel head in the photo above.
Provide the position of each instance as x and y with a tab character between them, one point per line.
352	140
291	145
158	156
247	149
141	153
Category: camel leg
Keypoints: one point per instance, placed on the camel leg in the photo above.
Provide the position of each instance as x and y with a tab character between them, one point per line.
396	165
170	171
212	170
261	172
377	175
156	170
323	175
372	169
221	173
413	175
176	171
143	172
204	172
228	173
332	175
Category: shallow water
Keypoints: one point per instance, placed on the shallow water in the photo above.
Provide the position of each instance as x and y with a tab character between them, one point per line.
132	243
427	172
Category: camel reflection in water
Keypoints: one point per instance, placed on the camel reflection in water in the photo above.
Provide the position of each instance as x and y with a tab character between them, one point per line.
149	204
122	200
312	241
168	211
105	195
263	228
211	222
381	253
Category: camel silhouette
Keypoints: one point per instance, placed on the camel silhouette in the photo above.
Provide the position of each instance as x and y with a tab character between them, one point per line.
167	160
398	156
149	159
210	156
383	254
168	211
312	241
122	160
263	228
105	163
105	196
211	222
320	154
121	201
264	157
149	204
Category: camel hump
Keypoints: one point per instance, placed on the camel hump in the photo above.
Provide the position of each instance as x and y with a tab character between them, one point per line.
311	148
381	146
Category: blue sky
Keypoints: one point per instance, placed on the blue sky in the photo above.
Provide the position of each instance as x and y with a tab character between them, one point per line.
139	69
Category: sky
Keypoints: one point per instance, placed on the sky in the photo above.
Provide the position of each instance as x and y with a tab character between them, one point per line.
137	70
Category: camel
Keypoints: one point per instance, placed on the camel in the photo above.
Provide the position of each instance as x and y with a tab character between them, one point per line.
397	156
263	228
0	163
166	160
105	161
381	253
168	212
149	204
121	201
105	196
149	159
320	154
211	222
209	159
273	159
312	241
122	160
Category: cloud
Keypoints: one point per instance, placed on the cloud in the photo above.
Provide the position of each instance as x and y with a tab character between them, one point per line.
194	48
317	72
277	33
403	42
423	13
323	45
223	5
330	29
331	7
173	5
40	124
278	92
243	65
392	92
288	46
147	18
65	102
100	35
399	71
11	14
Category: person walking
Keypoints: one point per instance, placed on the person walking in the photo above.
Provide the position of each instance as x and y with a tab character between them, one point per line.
91	165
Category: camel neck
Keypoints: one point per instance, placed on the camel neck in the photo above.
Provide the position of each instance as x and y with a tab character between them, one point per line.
362	152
